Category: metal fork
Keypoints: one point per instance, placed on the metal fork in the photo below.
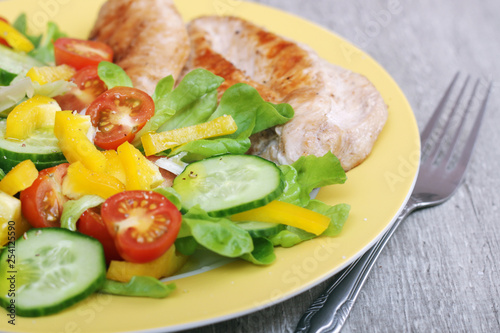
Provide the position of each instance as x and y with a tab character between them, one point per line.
440	174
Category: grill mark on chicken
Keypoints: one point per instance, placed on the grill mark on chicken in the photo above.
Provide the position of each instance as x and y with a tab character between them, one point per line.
335	109
214	62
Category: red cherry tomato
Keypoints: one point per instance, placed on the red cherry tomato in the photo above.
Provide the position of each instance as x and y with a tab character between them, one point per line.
42	202
81	53
119	113
3	41
143	224
91	224
88	87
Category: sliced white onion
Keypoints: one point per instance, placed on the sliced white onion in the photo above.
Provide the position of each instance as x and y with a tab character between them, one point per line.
175	166
15	93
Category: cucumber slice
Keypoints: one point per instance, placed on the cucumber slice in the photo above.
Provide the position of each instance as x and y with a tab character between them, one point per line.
229	184
41	147
7	164
54	268
16	62
261	229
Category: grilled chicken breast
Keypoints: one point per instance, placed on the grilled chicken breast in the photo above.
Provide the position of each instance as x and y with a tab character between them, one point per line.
335	109
148	37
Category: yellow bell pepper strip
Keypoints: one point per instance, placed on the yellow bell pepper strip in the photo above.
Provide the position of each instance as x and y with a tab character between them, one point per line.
12	224
35	113
142	174
71	131
288	214
14	38
154	143
114	166
46	74
19	178
166	265
80	181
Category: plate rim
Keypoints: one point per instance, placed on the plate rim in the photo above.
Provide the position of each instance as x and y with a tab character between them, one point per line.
304	287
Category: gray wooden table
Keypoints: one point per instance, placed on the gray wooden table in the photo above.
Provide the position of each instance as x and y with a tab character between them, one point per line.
441	271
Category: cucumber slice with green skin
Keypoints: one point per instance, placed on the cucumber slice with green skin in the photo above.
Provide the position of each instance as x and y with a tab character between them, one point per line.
16	62
7	164
261	229
54	268
229	184
21	153
41	147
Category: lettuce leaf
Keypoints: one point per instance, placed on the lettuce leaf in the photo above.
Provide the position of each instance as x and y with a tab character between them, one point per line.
163	87
73	209
195	113
195	85
138	286
308	173
262	254
162	114
6	77
44	50
290	237
314	172
223	237
250	112
192	99
200	149
162	111
44	43
113	75
171	195
218	235
21	25
186	245
338	215
292	192
268	117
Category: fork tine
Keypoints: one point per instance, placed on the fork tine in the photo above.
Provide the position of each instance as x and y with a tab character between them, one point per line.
446	160
424	137
436	148
466	154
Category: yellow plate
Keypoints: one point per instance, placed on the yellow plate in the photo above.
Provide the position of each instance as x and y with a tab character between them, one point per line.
376	191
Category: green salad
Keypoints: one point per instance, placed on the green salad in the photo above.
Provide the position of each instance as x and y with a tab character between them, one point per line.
120	190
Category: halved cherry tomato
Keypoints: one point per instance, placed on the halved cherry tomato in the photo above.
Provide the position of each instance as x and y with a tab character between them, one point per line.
42	202
88	87
143	224
91	224
3	41
119	113
81	53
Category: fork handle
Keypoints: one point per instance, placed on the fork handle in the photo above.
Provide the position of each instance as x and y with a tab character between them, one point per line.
329	312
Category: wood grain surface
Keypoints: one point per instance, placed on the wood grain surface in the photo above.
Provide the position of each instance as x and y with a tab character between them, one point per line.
441	270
